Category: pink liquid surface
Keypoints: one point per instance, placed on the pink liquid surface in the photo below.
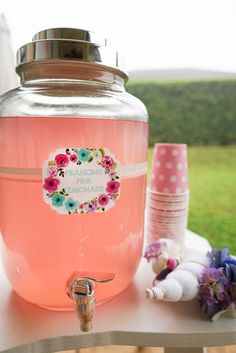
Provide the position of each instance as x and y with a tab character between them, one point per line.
43	249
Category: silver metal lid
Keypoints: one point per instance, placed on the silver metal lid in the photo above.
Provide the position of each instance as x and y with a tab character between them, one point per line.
71	33
70	44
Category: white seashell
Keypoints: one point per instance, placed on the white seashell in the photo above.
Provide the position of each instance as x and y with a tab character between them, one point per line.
167	288
196	256
182	282
193	267
188	282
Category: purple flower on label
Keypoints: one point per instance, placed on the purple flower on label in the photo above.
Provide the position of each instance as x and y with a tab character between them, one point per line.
112	187
154	250
103	200
107	162
73	158
62	160
51	184
91	206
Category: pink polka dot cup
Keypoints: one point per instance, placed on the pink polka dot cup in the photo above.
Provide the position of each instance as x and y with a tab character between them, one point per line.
169	168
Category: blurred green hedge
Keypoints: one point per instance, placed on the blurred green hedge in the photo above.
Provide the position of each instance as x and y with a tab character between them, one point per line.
192	112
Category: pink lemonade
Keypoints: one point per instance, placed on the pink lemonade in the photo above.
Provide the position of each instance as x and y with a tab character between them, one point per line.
42	249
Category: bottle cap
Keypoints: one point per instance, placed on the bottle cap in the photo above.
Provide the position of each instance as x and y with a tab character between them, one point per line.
70	44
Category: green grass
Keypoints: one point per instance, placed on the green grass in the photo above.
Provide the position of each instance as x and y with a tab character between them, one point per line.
212	175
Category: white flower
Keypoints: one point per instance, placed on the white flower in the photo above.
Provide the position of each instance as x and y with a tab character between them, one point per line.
97	154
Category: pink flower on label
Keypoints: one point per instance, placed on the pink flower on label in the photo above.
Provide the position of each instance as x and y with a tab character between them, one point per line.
73	158
52	171
107	162
171	263
112	174
62	160
103	200
112	187
51	184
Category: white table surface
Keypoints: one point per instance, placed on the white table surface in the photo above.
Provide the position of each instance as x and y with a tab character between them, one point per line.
128	319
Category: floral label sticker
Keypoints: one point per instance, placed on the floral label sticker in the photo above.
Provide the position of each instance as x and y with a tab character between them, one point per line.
81	180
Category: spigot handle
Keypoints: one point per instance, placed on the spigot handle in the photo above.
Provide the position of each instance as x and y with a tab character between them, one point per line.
83	295
82	289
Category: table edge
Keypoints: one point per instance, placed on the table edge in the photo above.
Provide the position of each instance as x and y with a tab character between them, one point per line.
145	339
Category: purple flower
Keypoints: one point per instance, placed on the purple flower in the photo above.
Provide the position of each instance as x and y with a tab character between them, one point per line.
214	291
154	250
91	206
210	310
230	272
233	292
222	259
219	258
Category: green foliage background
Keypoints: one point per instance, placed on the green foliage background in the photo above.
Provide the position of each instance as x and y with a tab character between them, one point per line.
192	112
199	113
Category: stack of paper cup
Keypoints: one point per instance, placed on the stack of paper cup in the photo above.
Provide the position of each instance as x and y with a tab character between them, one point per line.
168	195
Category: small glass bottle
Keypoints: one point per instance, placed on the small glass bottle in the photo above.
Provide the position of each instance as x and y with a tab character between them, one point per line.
72	168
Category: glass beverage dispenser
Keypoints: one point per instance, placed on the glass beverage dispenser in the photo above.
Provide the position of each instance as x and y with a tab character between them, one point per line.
72	171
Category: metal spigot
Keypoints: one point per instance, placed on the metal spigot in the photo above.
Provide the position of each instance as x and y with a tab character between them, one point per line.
82	290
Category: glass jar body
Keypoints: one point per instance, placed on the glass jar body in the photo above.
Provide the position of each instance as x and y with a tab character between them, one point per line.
41	248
